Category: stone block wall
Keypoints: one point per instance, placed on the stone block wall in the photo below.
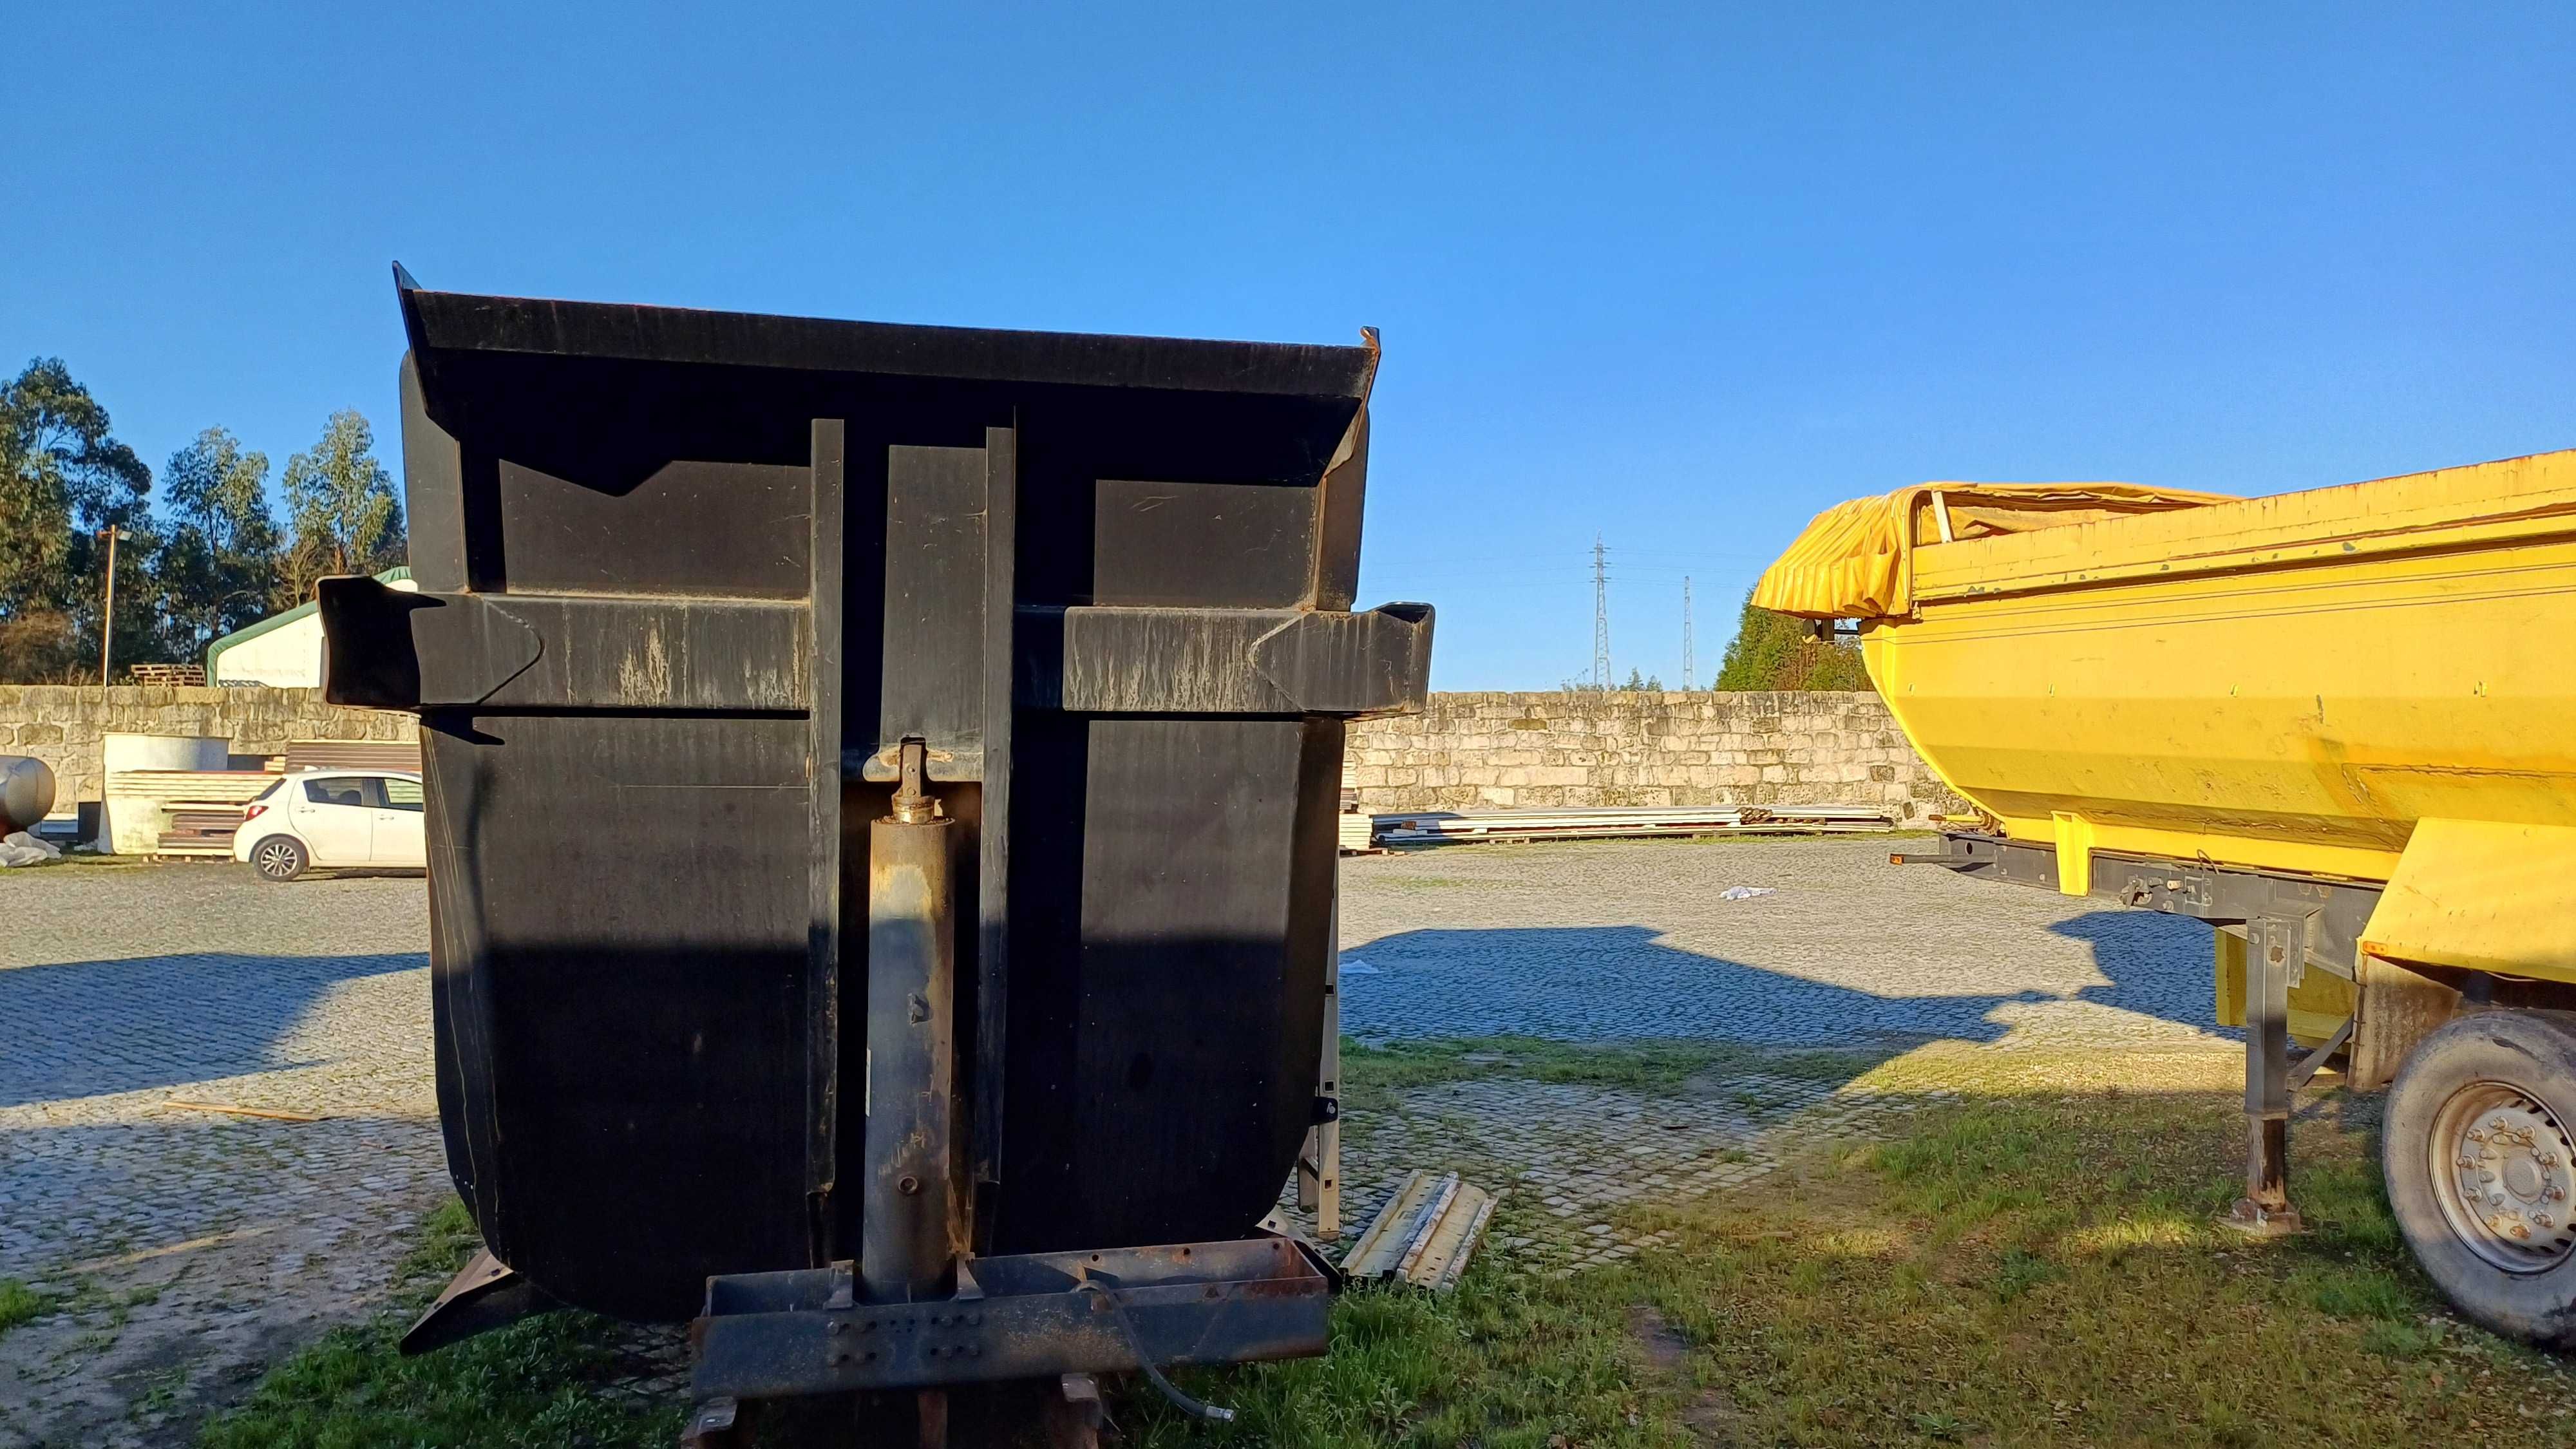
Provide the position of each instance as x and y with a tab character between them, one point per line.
1503	751
1466	751
63	724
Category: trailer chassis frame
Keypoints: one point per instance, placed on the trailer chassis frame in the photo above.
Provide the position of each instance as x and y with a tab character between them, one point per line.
2290	923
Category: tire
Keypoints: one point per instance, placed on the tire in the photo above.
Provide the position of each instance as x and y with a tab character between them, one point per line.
279	858
2481	1168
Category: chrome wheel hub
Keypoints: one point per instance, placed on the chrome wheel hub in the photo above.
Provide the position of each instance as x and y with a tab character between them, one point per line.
2504	1171
276	859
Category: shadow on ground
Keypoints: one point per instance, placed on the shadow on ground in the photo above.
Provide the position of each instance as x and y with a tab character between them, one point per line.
1607	983
92	1028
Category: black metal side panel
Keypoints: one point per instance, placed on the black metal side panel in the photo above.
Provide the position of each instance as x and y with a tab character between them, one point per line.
1251	544
554	526
934	607
1195	988
433	484
621	1049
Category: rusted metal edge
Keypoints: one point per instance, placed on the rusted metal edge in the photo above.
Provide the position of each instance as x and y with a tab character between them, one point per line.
776	1335
485	1294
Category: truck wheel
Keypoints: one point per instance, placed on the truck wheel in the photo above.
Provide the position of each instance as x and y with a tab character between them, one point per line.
279	858
2481	1168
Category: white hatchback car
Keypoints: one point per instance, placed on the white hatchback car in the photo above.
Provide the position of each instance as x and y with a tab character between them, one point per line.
334	819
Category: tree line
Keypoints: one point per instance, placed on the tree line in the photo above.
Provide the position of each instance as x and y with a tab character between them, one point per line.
1769	651
1780	651
207	556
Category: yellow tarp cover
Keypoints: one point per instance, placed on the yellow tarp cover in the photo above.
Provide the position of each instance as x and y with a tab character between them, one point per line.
1851	561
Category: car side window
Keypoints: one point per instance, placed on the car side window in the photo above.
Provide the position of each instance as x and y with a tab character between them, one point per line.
401	794
336	790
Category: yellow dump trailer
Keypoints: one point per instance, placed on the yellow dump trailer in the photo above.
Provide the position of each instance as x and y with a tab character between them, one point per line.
2339	725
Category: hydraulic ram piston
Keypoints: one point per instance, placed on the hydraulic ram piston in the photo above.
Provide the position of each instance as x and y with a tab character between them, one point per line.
908	1236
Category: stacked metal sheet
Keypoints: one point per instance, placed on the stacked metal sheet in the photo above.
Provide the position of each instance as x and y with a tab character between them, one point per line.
352	755
1358	832
198	810
1433	827
1425	1233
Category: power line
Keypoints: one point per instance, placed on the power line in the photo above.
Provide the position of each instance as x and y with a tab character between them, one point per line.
1600	614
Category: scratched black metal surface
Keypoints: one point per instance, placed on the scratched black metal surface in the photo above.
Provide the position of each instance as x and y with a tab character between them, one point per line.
646	1071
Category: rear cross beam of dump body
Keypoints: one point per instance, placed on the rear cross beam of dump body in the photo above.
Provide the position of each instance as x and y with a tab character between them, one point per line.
990	684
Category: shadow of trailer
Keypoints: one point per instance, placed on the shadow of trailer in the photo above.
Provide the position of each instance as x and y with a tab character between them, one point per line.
881	788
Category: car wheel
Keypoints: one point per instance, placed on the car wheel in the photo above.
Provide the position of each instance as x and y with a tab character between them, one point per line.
279	858
2480	1153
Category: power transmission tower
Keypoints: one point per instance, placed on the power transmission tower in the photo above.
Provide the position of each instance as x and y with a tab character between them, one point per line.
1600	615
1686	635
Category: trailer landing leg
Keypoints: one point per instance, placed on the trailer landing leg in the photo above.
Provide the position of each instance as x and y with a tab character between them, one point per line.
2276	952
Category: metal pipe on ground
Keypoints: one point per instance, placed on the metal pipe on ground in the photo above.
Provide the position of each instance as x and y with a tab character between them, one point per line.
1433	826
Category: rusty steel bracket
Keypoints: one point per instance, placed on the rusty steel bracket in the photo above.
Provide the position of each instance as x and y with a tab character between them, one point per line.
776	1335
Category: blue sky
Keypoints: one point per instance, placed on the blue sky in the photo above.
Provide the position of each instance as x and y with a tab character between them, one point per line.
1678	277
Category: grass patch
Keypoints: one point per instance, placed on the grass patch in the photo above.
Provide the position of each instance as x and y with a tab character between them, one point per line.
2034	1262
1374	1074
2034	1265
21	1304
535	1383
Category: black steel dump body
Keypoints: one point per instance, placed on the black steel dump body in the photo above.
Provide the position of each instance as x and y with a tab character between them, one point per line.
690	582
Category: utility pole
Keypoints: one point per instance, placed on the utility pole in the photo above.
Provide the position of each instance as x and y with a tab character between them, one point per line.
1600	615
1686	635
107	618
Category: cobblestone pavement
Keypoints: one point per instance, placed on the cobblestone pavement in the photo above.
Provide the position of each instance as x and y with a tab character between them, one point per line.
1568	1158
192	1246
1613	939
195	1248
